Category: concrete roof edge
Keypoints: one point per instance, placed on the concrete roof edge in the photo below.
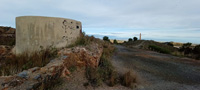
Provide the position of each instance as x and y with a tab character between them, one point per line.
48	17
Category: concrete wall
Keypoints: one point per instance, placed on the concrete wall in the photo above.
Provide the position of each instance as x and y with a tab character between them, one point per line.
35	32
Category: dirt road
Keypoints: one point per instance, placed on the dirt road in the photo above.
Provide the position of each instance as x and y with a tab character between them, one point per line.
156	71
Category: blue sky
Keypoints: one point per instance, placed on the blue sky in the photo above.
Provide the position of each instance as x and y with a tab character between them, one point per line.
160	20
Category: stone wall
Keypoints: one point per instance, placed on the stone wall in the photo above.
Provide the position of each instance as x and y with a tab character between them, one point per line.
34	33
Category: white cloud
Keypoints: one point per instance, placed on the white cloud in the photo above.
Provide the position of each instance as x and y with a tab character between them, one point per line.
181	16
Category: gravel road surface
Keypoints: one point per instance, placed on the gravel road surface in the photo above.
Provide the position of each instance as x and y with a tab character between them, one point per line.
156	71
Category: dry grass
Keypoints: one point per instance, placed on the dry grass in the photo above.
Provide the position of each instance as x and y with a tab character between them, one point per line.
84	40
128	79
105	72
7	41
17	63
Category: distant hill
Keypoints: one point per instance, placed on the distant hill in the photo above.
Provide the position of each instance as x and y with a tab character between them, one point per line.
7	30
144	44
119	41
7	35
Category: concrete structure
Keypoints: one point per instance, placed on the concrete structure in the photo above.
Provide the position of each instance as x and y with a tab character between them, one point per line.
34	33
140	36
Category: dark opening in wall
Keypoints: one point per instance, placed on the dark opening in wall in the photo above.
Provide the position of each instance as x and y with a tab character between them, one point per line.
77	27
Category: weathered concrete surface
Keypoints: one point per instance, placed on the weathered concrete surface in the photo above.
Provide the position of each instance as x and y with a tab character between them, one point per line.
34	33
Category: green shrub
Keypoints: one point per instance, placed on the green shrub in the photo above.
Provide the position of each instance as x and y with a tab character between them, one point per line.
135	38
159	49
115	41
187	44
84	40
130	39
105	38
170	44
196	49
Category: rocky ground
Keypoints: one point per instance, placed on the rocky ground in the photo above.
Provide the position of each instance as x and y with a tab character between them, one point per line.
155	71
78	81
60	67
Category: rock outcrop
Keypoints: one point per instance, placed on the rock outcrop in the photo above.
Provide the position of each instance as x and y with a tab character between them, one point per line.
39	77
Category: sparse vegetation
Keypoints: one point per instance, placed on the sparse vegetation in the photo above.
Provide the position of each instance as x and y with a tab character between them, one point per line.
159	49
105	70
7	36
190	51
196	51
106	73
84	40
128	79
7	41
170	44
186	48
17	63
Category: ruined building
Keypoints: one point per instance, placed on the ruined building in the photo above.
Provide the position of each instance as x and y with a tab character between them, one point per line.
34	33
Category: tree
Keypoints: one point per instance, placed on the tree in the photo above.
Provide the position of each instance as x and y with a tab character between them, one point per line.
105	38
170	44
186	48
135	38
130	39
115	41
187	44
197	49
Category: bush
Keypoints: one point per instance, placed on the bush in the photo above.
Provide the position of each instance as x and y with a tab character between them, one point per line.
93	76
14	64
105	38
135	38
170	44
186	48
130	39
196	49
7	41
115	41
187	45
84	40
128	79
159	49
105	71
